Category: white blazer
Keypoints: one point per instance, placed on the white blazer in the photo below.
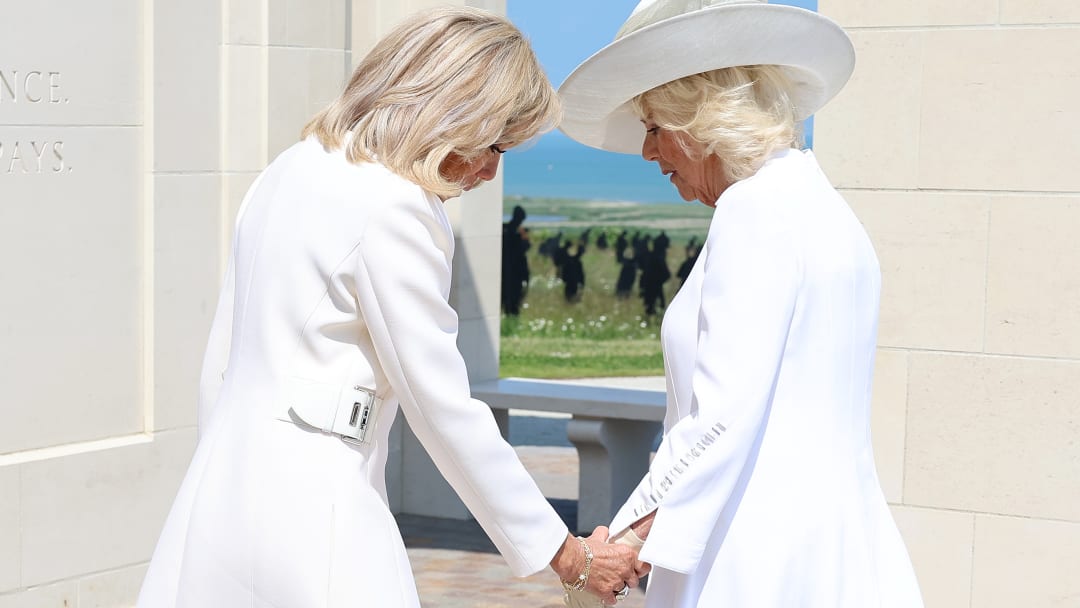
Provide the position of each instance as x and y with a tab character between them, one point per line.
339	277
764	485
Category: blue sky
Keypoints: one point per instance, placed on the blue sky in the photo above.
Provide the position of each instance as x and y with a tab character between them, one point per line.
566	32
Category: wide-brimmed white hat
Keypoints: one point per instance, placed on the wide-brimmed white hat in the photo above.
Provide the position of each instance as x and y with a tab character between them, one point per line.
664	40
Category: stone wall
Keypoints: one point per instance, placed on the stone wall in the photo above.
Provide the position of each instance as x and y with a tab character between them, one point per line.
956	144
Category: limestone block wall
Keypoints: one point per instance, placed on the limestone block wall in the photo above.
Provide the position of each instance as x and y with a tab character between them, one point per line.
955	143
129	131
110	181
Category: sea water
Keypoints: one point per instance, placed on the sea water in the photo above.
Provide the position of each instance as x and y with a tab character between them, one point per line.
555	166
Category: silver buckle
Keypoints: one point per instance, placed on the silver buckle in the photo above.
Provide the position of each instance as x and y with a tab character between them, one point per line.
361	416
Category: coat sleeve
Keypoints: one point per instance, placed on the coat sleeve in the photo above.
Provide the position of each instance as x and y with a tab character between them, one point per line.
752	276
402	288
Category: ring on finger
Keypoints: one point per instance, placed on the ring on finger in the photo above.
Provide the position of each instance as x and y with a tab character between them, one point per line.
621	595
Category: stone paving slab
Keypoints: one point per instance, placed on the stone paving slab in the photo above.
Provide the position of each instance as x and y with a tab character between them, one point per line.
555	470
455	579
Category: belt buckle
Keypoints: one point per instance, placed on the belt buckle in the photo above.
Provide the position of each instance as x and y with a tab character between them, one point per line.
361	416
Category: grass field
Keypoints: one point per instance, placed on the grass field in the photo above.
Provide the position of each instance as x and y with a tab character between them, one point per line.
599	335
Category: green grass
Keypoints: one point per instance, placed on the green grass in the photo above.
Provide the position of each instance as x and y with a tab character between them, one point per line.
600	335
531	357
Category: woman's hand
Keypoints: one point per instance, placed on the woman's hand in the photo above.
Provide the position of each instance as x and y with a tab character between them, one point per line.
612	567
642	526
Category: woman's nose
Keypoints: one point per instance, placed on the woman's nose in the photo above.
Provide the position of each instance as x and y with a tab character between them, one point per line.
648	148
490	168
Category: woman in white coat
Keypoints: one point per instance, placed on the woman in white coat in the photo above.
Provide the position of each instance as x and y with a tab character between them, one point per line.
334	313
763	492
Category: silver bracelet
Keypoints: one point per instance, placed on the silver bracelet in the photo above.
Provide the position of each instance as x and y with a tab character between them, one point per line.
583	578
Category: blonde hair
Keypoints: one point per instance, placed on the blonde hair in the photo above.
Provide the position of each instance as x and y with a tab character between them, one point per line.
740	114
451	80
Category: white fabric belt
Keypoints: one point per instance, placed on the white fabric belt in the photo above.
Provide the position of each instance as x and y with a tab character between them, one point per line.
347	411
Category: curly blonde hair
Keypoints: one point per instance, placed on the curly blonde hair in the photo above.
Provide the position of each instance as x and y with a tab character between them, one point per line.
740	114
451	80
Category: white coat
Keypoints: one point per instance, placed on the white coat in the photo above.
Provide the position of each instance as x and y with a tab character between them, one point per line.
764	485
339	277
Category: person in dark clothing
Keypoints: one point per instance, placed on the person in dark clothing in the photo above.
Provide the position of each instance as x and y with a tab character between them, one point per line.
515	265
559	255
620	246
641	246
662	241
691	247
573	273
688	264
654	274
550	245
641	243
601	241
627	273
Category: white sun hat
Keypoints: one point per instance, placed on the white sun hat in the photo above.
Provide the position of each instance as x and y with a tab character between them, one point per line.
664	40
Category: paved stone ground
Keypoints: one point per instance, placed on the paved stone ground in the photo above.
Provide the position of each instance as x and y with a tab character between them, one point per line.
455	564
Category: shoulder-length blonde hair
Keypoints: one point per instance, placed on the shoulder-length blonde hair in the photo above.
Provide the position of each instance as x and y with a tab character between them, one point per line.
451	80
740	114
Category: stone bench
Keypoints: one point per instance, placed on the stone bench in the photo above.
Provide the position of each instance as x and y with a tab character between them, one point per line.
613	430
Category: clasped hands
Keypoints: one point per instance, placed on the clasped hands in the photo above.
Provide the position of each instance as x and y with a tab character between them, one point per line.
613	566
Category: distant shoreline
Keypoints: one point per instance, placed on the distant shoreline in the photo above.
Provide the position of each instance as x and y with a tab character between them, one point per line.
590	200
681	219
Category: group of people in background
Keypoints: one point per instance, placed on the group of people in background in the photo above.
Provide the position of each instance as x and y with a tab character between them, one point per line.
642	260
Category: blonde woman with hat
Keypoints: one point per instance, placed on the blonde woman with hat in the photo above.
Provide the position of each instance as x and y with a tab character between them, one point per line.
763	492
334	314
